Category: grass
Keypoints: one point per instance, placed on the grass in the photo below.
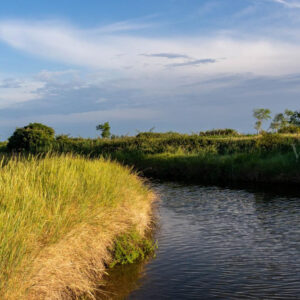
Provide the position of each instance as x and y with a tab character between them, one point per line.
60	217
208	167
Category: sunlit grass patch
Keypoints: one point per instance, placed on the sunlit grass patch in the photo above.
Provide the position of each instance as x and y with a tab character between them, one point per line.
59	215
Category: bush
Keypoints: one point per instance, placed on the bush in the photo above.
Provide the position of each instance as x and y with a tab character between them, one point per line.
34	138
289	129
226	132
150	134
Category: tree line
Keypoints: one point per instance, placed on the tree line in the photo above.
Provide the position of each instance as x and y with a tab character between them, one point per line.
286	122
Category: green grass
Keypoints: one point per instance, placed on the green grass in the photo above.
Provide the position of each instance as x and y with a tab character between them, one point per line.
194	158
215	168
59	216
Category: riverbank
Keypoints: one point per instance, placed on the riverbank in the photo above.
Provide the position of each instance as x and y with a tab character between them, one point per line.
63	220
212	168
268	158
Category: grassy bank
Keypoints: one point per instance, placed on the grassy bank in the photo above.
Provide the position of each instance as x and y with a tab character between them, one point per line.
62	219
212	168
268	158
265	158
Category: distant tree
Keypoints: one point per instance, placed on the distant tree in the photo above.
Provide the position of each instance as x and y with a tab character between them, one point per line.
283	120
257	126
261	114
34	137
290	129
295	118
105	129
279	121
289	113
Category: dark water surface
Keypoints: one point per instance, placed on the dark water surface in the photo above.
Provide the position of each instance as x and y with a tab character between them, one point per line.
219	243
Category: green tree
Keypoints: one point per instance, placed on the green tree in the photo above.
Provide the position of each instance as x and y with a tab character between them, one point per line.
105	129
261	114
295	118
283	120
279	121
34	137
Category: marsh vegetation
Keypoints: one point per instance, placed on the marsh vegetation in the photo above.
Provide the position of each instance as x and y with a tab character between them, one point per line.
62	218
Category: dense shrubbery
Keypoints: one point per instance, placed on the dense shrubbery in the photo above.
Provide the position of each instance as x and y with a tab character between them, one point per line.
224	132
34	138
289	129
150	134
187	156
182	143
40	138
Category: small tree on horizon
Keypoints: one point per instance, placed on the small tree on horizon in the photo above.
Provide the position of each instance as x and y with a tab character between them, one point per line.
295	118
105	130
261	114
278	122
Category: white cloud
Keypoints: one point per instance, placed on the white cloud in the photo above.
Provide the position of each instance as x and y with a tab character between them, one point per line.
123	26
288	3
128	78
18	91
120	55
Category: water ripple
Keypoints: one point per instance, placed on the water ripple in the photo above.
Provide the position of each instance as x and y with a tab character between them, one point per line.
218	243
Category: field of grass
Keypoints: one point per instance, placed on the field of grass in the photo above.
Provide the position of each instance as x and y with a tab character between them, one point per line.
62	220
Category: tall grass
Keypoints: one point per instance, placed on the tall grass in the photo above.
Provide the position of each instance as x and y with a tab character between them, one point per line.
214	168
59	216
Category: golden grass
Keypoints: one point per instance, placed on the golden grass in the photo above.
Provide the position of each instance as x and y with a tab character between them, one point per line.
59	216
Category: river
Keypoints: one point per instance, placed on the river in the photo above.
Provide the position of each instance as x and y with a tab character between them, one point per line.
219	243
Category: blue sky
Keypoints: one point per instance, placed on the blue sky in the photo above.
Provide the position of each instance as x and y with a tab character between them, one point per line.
181	65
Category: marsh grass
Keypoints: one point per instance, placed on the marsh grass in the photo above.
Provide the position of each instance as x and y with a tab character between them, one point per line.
59	218
212	168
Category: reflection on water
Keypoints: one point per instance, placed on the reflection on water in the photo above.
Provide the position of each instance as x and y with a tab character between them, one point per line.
121	281
218	243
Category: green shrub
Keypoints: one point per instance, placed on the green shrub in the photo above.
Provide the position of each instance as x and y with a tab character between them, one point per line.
225	132
131	247
34	138
289	129
150	134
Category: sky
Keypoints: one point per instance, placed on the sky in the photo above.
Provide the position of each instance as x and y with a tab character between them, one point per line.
176	65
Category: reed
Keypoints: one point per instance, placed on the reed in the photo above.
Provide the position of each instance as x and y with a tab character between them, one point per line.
60	217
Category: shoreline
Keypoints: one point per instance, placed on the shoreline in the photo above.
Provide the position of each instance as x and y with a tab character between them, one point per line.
73	263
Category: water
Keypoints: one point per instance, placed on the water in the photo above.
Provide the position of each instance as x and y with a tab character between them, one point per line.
218	243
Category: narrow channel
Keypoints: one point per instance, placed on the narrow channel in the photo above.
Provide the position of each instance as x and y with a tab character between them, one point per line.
219	243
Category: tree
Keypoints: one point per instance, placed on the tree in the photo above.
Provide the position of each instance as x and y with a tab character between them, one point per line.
283	120
295	118
105	129
257	126
261	114
34	137
279	121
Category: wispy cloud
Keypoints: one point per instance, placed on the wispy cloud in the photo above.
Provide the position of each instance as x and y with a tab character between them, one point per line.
167	55
185	103
194	62
288	3
124	26
120	55
14	91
